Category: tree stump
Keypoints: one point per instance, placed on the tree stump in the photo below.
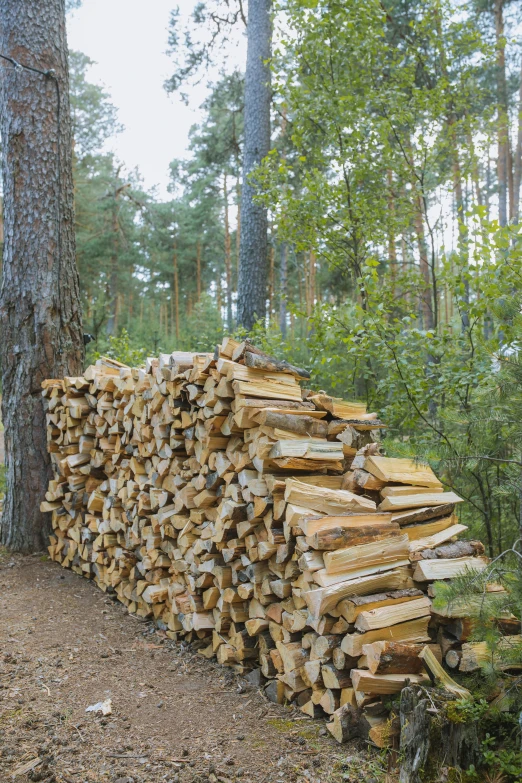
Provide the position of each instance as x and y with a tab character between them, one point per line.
460	744
415	735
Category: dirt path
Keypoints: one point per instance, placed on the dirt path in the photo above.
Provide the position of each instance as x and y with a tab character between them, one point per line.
175	716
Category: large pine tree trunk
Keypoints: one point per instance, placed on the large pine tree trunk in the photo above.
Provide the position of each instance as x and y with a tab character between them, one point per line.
253	259
40	315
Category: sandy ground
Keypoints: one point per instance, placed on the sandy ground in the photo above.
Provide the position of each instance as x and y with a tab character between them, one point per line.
176	717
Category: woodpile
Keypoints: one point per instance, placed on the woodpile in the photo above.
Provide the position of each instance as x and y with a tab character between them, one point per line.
259	519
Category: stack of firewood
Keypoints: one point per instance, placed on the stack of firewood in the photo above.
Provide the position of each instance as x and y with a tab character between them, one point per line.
215	494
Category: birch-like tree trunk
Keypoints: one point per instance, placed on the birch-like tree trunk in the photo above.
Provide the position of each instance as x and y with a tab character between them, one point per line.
40	313
253	251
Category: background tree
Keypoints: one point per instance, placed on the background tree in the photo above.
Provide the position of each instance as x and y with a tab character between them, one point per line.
40	313
253	259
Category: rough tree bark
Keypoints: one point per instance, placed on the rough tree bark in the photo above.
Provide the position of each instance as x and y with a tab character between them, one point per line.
40	313
253	260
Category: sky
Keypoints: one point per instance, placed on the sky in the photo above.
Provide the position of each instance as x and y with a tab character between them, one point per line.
128	39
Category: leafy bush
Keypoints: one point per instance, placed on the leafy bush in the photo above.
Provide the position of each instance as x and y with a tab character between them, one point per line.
122	349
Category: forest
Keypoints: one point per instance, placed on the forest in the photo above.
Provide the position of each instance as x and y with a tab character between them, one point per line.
350	203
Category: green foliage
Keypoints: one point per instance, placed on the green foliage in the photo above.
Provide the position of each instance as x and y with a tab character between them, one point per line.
93	117
121	348
203	329
499	760
466	710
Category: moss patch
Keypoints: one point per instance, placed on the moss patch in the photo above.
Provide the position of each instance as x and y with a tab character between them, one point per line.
280	724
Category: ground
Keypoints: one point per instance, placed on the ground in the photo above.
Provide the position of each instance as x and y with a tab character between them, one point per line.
176	716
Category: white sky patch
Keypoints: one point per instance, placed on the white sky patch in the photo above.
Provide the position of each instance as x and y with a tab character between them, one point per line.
128	39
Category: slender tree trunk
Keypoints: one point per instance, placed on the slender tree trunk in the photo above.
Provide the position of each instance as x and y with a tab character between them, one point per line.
172	315
251	304
306	276
474	169
40	313
271	280
113	282
219	294
502	119
112	286
300	270
392	248
426	303
511	181
404	267
176	293
463	240
166	317
283	286
518	155
311	278
488	186
228	256
198	270
238	226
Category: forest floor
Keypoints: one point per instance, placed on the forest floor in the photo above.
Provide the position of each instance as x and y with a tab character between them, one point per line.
176	717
